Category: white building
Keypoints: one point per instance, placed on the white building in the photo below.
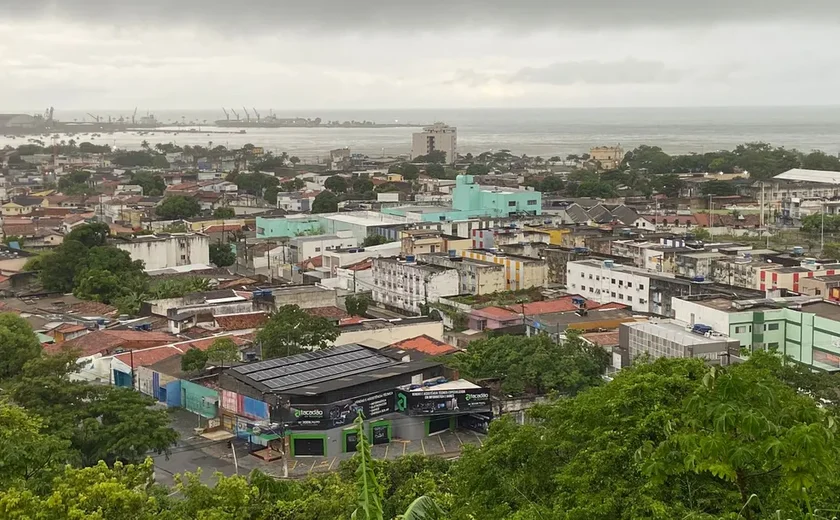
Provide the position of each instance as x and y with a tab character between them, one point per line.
606	282
337	259
306	247
405	285
438	137
167	250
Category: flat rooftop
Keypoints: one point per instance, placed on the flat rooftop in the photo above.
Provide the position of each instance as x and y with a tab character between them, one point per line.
417	265
827	278
570	317
381	219
675	331
315	373
823	309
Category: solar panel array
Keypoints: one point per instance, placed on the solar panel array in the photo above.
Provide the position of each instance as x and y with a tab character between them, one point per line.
313	367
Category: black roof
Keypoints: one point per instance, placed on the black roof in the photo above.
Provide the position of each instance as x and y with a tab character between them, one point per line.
284	374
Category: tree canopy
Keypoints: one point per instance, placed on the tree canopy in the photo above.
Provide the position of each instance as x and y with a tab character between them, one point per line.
222	255
291	330
178	207
325	202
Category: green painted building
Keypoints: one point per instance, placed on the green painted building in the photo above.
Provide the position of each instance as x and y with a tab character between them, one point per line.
805	328
472	200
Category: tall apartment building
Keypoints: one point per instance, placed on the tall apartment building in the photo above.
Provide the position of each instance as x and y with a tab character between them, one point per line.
440	137
406	284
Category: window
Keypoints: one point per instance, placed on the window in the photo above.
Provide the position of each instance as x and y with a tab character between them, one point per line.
620	296
590	276
532	202
582	287
629	285
183	257
773	345
629	298
612	294
641	287
613	281
512	203
317	249
642	301
582	275
597	277
771	326
740	329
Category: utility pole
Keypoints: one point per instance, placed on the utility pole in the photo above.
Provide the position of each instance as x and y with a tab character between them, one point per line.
822	226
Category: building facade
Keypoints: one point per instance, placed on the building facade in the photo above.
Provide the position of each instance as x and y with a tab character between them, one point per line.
164	251
407	284
438	137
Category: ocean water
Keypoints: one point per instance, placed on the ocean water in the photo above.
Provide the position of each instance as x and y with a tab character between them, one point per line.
543	132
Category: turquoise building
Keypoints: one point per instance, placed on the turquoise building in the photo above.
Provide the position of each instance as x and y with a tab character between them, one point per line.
471	200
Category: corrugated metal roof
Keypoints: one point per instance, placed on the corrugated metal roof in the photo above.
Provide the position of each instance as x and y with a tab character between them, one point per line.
799	174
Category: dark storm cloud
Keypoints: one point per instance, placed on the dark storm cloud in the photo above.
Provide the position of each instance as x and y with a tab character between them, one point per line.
246	16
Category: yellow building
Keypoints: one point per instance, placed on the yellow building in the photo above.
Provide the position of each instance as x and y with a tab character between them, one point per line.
609	157
521	272
395	177
424	241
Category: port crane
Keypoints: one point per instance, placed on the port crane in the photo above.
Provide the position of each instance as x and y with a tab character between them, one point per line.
227	116
95	118
134	115
235	113
247	115
257	114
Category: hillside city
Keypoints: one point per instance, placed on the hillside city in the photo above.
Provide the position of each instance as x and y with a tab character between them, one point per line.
205	332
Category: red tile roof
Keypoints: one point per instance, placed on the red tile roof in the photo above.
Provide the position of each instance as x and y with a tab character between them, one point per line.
331	313
425	345
563	304
315	261
361	266
218	228
67	328
602	339
496	313
352	320
204	344
611	306
149	356
92	309
239	282
105	341
250	320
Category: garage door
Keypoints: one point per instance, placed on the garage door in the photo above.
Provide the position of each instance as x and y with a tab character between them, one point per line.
309	447
438	425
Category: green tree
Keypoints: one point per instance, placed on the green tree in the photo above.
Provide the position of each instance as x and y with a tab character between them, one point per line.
58	270
649	158
362	185
831	250
291	330
153	185
817	160
100	422
336	184
374	240
478	169
721	188
91	235
597	189
223	351
701	234
18	344
224	212
409	171
193	360
369	501
435	156
99	285
178	207
325	202
751	434
436	171
222	255
357	305
28	456
534	365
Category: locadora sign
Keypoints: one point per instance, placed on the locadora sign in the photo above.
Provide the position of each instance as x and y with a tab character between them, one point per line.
434	402
342	413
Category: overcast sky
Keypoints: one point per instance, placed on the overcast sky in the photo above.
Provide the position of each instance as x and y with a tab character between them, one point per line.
191	54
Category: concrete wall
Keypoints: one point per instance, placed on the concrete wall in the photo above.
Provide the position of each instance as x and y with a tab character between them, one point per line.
398	332
173	251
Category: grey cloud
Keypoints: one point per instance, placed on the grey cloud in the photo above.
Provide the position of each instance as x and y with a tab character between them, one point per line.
626	72
240	18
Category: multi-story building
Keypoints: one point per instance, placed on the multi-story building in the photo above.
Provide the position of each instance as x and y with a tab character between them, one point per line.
406	284
438	137
475	276
673	339
521	272
805	328
645	291
472	200
165	251
306	247
609	157
425	241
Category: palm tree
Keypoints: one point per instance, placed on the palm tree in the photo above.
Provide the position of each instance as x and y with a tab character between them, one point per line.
144	145
370	492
